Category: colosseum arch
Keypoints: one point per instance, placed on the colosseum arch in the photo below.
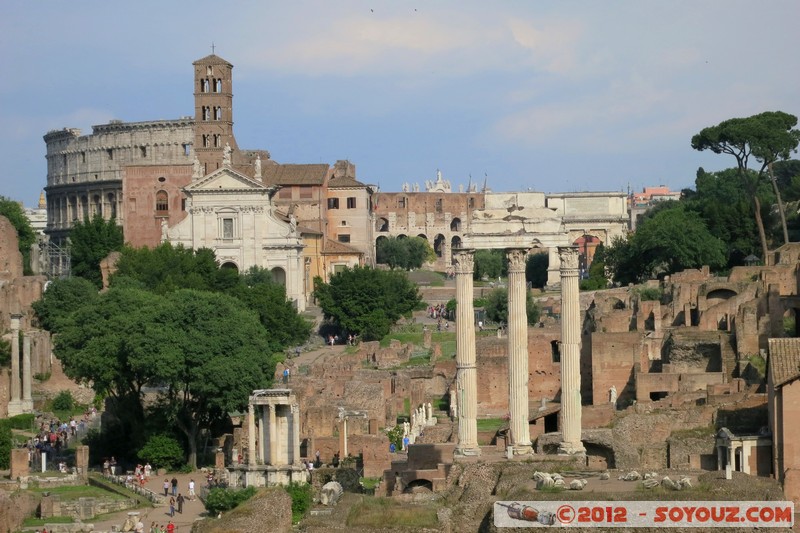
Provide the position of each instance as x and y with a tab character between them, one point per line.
439	245
382	224
455	224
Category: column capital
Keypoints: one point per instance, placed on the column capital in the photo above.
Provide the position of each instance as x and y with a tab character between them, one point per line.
16	319
569	257
516	259
464	259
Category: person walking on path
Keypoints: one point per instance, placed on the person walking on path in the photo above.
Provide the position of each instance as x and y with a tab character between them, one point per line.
171	506
166	487
174	486
191	489
180	501
170	527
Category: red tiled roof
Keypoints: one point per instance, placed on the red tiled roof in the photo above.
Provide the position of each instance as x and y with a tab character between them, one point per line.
784	360
295	174
336	247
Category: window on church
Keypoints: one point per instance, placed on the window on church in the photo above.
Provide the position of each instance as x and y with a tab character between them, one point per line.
472	203
205	141
227	228
209	70
439	205
401	202
306	192
183	204
162	202
206	113
143	151
218	86
204	86
351	202
555	351
344	237
83	157
333	203
216	141
110	153
217	113
186	149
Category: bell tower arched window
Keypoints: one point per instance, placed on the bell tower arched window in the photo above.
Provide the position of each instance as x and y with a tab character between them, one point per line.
162	202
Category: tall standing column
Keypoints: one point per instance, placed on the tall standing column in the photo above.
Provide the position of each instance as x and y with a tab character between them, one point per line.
570	353
27	399
466	373
15	404
295	434
251	435
518	352
273	435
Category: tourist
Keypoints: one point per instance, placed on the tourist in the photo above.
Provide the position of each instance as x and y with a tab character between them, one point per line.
113	464
106	467
171	506
317	461
170	527
174	486
153	527
166	487
147	470
191	489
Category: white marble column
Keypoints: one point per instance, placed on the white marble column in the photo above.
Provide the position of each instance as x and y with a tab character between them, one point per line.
27	399
295	421
570	353
265	435
251	435
15	403
273	435
518	352
466	372
344	437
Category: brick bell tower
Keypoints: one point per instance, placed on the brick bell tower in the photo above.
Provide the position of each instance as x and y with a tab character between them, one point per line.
213	111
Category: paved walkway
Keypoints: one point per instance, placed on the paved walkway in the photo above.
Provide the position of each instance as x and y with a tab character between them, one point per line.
159	514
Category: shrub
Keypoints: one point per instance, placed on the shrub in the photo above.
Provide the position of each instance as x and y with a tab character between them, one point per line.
301	500
396	436
63	401
650	293
220	500
162	451
5	444
23	422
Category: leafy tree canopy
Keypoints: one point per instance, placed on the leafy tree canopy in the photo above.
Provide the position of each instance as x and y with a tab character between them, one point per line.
766	138
90	242
366	301
406	253
62	298
203	350
597	271
536	269
491	264
497	307
16	215
673	240
167	268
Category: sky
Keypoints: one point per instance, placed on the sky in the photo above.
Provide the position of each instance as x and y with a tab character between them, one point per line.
551	96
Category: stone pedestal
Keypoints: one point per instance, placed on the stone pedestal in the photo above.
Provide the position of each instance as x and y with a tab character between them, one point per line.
20	464
219	460
570	354
466	372
82	461
518	353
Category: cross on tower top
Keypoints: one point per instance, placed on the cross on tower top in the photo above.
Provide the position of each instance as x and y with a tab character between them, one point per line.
212	47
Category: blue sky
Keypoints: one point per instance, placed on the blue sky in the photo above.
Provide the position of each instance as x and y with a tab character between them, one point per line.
554	96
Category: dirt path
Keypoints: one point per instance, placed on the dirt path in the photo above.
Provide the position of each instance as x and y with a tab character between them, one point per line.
192	510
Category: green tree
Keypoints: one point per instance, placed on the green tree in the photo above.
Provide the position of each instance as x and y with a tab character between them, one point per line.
6	443
202	350
490	264
497	307
62	298
536	266
15	214
167	268
366	301
90	242
278	315
767	137
405	252
597	272
672	240
162	451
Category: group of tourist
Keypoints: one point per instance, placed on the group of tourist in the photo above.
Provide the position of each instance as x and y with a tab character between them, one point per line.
155	528
352	339
437	311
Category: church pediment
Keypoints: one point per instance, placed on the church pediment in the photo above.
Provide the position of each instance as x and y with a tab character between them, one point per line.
225	179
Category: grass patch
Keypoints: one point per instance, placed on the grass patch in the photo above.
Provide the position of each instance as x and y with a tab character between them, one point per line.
369	483
80	491
758	363
441	404
36	522
383	513
552	490
490	424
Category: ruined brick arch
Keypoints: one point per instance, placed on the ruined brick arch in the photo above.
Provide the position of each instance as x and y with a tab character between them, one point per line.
439	244
419	483
423	236
382	224
455	224
455	242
